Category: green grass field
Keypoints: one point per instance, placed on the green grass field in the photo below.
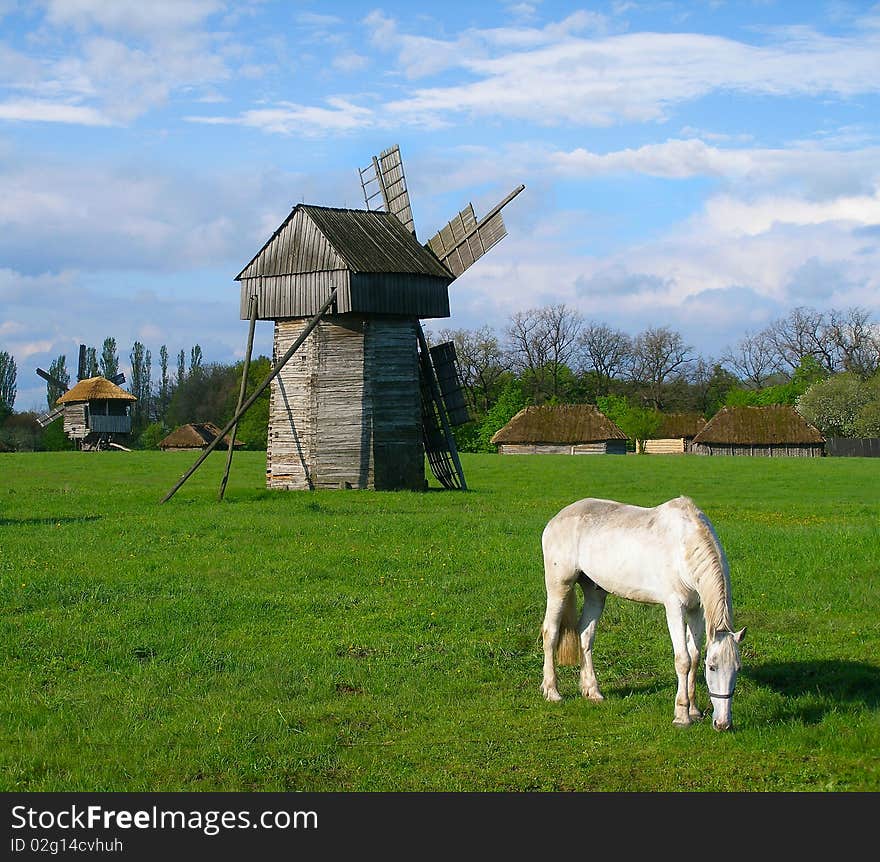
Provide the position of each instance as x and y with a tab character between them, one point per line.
360	641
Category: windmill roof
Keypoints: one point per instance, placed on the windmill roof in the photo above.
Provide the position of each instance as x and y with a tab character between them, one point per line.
95	389
773	424
368	241
194	435
679	425
565	423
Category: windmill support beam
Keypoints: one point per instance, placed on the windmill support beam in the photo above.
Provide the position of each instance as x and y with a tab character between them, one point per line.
276	370
241	393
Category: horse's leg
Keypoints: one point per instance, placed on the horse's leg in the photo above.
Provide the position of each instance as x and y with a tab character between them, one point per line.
594	604
558	588
695	629
675	615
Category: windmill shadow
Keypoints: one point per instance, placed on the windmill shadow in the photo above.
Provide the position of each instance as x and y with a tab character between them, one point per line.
852	683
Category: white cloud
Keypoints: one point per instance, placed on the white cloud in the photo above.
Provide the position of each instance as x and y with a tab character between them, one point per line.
632	77
30	110
131	16
730	216
289	118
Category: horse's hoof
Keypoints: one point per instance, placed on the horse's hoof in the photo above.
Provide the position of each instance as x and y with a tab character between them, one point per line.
682	722
696	715
596	696
551	694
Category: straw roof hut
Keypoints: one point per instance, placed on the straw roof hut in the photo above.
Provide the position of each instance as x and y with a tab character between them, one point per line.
676	432
96	413
774	430
95	389
195	435
567	429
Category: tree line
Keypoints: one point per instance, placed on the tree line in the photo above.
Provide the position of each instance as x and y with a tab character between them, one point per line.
544	355
181	390
553	355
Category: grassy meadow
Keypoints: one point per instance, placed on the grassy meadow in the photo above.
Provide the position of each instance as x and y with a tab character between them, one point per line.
361	641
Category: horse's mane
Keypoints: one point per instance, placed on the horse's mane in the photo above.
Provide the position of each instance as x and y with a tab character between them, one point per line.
708	568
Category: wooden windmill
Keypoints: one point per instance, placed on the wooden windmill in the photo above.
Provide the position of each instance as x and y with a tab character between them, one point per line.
358	398
95	410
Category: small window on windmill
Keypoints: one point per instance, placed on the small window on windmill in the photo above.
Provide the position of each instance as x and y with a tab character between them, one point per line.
444	360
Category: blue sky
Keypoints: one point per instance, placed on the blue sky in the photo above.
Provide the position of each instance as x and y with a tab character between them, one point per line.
705	166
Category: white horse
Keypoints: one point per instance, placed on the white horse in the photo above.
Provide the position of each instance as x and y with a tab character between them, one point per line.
667	555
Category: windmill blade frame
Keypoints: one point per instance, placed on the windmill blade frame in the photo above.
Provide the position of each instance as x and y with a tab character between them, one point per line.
465	240
384	178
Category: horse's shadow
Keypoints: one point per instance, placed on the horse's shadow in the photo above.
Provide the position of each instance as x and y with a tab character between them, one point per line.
843	683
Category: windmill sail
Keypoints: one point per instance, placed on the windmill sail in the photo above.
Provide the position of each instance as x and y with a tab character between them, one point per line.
384	183
465	240
49	417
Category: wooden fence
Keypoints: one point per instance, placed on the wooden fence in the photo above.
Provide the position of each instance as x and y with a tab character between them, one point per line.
853	447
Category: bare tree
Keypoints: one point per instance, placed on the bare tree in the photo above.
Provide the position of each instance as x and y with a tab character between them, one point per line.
540	343
605	351
803	332
856	340
753	359
657	353
481	364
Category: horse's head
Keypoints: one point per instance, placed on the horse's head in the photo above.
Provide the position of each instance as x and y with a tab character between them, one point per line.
722	665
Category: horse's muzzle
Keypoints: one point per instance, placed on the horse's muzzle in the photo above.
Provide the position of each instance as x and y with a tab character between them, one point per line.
722	725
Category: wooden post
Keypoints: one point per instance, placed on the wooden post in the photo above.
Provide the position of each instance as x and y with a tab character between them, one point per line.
313	322
252	307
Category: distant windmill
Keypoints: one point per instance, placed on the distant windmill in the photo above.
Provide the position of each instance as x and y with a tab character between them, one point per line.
95	410
365	399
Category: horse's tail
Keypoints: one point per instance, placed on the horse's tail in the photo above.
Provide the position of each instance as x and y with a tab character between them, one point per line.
568	647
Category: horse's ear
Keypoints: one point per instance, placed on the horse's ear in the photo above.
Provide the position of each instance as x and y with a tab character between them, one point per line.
739	636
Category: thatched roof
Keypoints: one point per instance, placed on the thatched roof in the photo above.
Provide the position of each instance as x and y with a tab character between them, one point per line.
774	424
566	423
95	389
676	425
195	435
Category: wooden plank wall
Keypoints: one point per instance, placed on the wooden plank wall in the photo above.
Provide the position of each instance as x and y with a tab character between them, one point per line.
75	425
668	446
612	447
344	412
791	450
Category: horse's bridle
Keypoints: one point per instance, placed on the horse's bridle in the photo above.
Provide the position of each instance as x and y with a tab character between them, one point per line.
723	696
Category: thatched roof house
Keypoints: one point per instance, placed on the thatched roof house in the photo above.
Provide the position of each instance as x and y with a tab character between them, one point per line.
95	389
675	434
96	413
195	435
770	431
567	429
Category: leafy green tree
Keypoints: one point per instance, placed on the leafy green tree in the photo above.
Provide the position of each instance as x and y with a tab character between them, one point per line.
8	386
640	424
55	440
109	358
58	370
511	400
181	368
253	429
152	435
842	406
91	362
